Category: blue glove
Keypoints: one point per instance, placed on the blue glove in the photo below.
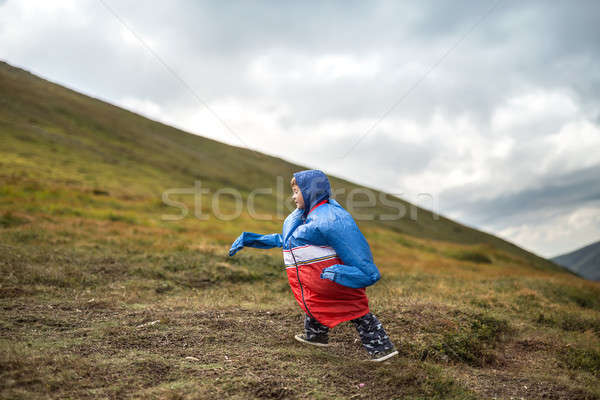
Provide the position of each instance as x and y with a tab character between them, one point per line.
328	275
237	245
256	240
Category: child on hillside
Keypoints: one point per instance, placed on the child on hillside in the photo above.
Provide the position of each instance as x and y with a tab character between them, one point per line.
328	263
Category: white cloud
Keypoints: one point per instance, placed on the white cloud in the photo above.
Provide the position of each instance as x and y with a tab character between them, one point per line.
555	235
532	110
143	107
576	145
280	68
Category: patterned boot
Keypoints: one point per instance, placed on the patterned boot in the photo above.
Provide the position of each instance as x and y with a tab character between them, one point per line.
315	333
374	339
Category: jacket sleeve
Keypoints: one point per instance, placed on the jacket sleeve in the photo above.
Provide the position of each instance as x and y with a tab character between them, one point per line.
358	269
256	240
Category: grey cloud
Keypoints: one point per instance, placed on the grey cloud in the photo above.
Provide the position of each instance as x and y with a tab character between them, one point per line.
556	192
385	156
211	45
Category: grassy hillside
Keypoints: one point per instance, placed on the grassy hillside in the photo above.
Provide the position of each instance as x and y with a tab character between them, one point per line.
102	298
61	140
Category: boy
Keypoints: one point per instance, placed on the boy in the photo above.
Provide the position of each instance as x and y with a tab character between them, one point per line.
328	263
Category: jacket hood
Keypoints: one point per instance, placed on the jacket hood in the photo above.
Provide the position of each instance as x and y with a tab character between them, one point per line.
314	186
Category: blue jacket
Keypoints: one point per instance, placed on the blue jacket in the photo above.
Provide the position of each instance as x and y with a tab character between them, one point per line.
322	230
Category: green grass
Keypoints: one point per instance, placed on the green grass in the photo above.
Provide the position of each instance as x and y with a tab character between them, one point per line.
471	346
582	359
8	220
75	303
473	256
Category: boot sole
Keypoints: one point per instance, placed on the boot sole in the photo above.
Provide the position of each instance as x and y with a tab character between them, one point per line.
380	359
298	338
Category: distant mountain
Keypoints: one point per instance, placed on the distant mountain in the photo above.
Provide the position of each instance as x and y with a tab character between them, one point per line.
585	261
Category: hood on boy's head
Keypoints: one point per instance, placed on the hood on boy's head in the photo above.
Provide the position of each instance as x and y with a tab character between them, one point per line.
314	186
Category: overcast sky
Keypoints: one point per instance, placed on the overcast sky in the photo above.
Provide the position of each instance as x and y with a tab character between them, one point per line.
491	107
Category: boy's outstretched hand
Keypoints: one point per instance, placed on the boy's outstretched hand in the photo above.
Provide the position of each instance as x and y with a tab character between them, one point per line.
251	239
237	245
